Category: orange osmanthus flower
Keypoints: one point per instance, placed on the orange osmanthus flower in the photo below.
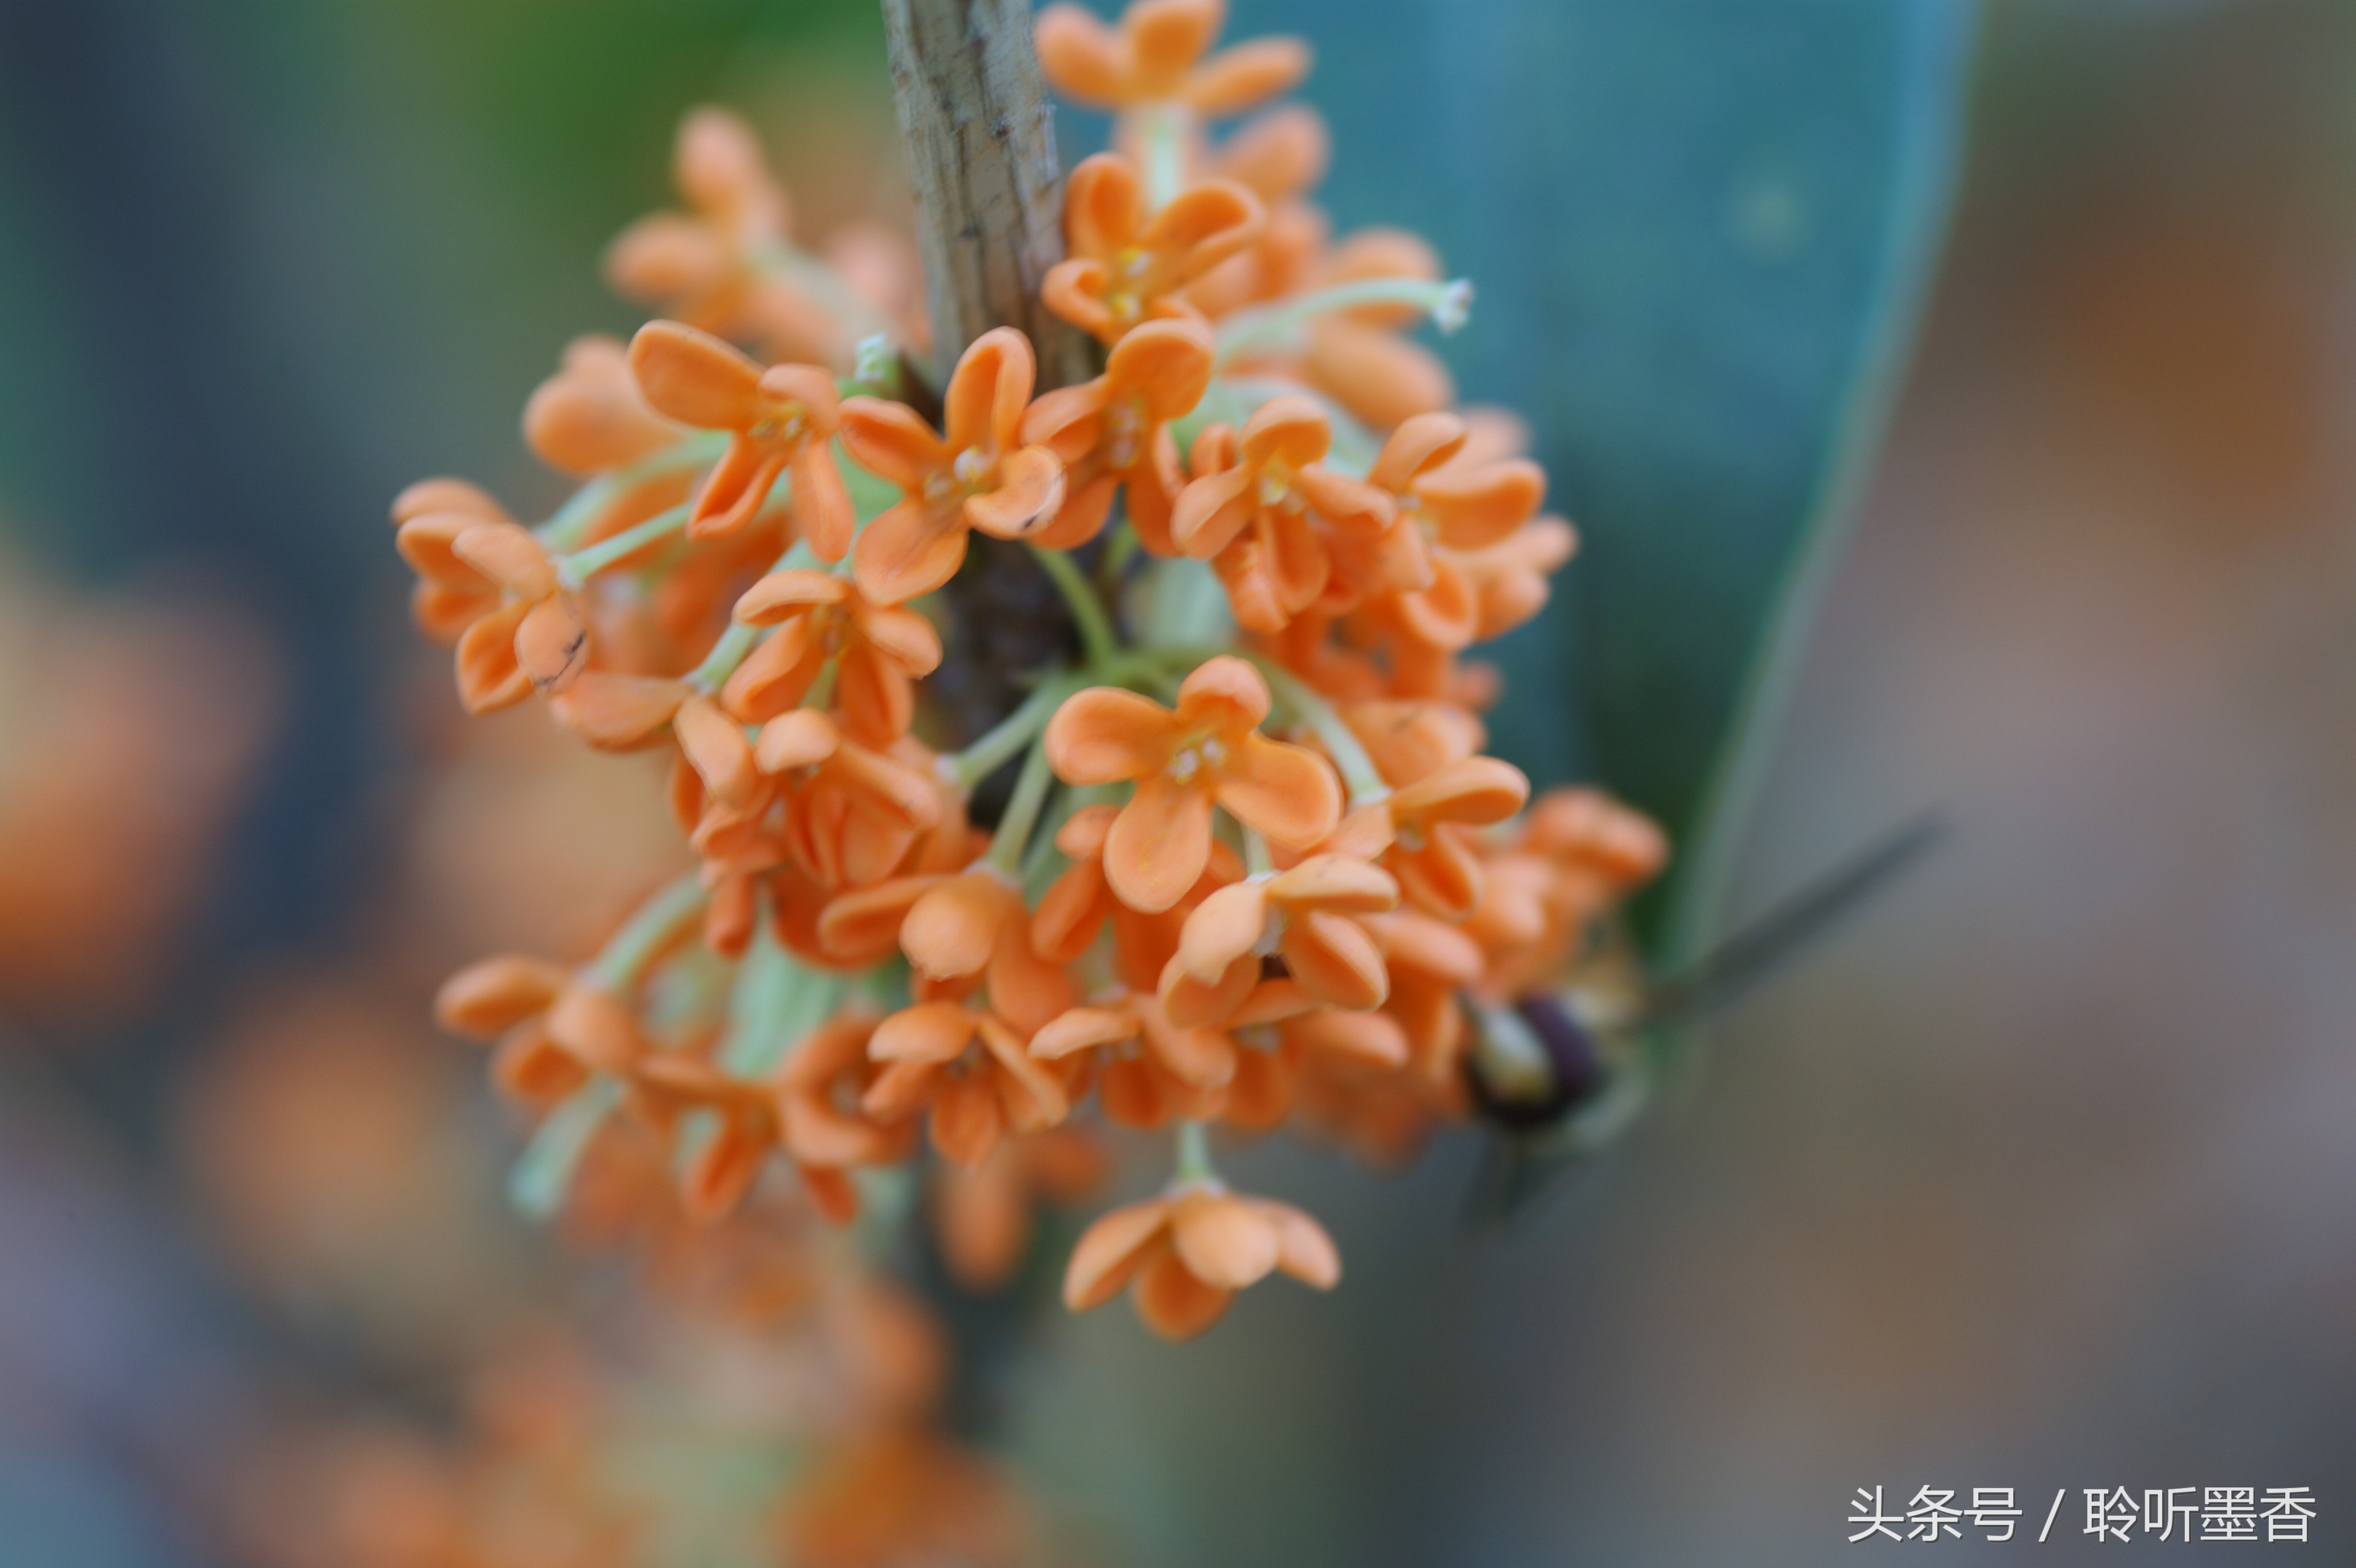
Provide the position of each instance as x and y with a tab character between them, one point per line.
525	631
1113	433
971	1070
1306	917
977	475
590	416
1189	1250
780	421
1155	57
1128	265
1209	750
1255	506
878	652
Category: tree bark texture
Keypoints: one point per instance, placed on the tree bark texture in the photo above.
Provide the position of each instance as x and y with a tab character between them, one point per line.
981	152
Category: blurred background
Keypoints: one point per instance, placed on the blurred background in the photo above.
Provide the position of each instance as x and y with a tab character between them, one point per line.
2039	1175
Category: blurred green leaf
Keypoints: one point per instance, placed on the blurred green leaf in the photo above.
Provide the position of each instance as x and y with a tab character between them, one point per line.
1701	235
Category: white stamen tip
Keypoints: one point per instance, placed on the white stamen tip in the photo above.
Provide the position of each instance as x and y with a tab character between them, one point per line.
1454	307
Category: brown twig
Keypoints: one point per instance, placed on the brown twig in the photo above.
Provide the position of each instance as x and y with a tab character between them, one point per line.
981	152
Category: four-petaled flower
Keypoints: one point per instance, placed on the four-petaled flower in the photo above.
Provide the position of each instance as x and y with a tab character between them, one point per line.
978	475
1189	1250
1155	57
1208	750
780	421
1129	264
1113	433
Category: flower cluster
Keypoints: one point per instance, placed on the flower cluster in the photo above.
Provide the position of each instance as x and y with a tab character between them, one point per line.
1252	867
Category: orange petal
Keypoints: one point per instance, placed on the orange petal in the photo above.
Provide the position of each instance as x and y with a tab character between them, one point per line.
552	646
509	555
1104	204
899	1090
1039	1101
1104	735
951	928
872	696
890	441
776	676
1110	1253
1287	791
1223	1240
783	594
1378	378
966	1120
595	1027
446	495
1478	789
1073	290
1203	226
1169	362
693	377
1030	493
424	542
1236	79
1477	506
1165	37
1224	927
715	747
1371	1039
1200	1058
1229	681
1336	883
931	1032
903	636
821	506
1080	57
1189	1003
1304	1250
1210	511
1070	914
491	997
614	711
1173	1303
1290	430
589	417
1423	442
1282	153
910	550
1335	961
1158	844
1083	834
988	391
801	738
488	676
864	923
1082	1029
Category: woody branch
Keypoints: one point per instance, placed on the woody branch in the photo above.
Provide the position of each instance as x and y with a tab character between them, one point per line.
981	155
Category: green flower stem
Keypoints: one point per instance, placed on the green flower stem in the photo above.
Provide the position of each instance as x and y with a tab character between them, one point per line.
1258	861
1013	834
988	754
778	1000
1096	639
1445	303
647	933
580	565
563	530
740	639
542	1174
1162	132
1194	1167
